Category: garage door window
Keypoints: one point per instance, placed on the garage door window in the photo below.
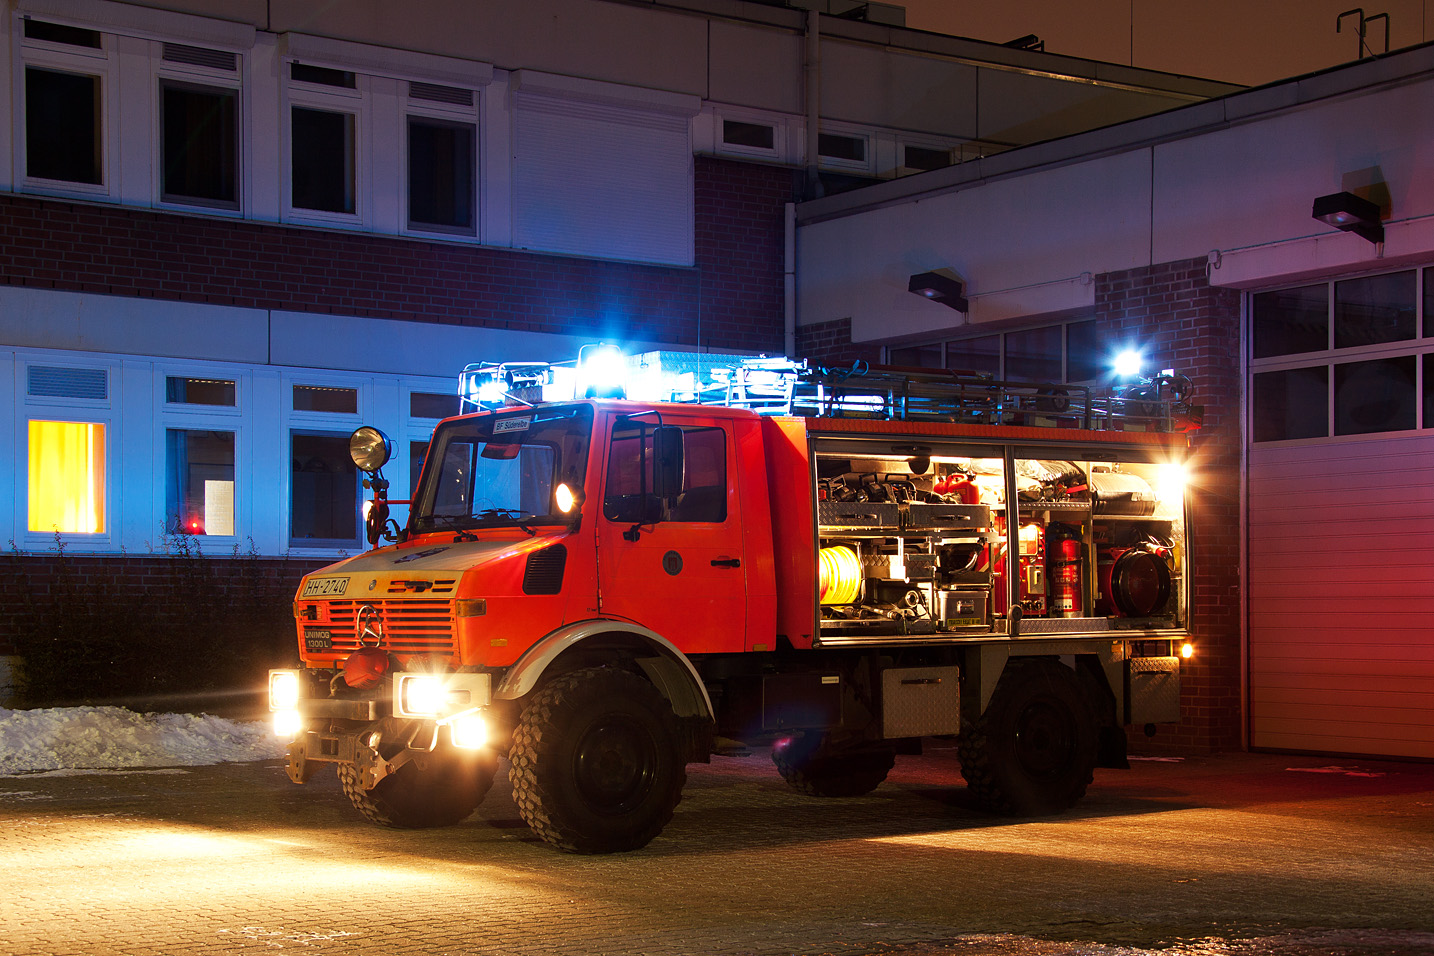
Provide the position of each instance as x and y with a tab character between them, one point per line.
1343	358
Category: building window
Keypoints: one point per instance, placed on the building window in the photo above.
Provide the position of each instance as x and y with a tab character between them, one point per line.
179	390
432	405
748	135
1292	403
324	492
324	398
1374	309
66	36
322	76
200	145
62	126
323	163
67	477
1066	352
1374	396
1368	327
981	354
845	149
924	158
199	482
1290	321
441	174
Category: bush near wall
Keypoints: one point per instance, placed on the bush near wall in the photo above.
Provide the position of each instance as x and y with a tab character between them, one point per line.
177	629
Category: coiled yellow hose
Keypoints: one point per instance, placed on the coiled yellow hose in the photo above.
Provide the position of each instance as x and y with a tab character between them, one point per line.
841	575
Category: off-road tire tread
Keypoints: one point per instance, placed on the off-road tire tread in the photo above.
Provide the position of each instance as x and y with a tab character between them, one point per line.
537	726
978	757
851	775
386	813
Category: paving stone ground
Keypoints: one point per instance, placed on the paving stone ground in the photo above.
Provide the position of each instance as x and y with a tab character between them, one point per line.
1241	854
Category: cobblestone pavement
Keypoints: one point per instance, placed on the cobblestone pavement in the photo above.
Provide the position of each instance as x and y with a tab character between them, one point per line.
1251	855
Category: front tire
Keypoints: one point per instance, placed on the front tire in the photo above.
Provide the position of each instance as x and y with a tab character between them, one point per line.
437	789
1033	751
596	765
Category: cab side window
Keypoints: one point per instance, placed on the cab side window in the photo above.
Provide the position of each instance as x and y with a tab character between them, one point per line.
704	479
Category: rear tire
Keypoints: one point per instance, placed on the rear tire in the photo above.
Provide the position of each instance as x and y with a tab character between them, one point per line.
437	789
831	775
1033	751
596	763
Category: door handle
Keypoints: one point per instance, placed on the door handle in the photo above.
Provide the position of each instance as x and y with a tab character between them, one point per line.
726	562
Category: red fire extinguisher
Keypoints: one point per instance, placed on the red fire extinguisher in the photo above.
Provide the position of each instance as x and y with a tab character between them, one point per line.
1063	563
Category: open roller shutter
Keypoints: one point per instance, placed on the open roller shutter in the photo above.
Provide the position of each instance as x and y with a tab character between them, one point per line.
1341	596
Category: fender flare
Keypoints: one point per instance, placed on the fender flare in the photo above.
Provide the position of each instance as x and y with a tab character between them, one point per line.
688	697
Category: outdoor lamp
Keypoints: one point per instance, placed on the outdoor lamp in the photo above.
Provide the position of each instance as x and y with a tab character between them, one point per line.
941	287
1350	213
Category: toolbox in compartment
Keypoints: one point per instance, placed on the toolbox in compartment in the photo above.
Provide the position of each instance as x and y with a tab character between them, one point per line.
858	514
950	517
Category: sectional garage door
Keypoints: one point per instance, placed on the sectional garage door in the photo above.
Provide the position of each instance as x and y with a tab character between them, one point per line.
1341	596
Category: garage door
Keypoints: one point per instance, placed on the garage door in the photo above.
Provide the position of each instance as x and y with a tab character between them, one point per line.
1341	596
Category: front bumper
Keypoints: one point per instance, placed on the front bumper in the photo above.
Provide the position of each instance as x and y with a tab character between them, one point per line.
378	735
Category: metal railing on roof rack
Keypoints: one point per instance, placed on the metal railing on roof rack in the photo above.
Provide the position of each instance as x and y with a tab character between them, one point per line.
782	387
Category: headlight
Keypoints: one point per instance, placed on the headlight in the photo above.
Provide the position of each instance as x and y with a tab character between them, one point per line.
438	695
283	690
421	695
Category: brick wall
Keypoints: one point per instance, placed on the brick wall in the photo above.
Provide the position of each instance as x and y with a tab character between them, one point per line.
734	295
830	344
34	582
1182	322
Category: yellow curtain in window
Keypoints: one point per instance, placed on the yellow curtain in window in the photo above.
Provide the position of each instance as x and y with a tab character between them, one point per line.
67	477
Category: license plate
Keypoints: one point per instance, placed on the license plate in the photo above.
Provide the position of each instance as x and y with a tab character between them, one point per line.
322	587
318	640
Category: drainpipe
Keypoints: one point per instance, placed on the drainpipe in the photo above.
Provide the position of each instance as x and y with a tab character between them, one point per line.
814	97
789	280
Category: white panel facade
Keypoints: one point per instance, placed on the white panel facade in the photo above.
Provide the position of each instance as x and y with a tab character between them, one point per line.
599	180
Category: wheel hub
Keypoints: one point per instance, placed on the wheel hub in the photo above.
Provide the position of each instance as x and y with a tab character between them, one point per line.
614	766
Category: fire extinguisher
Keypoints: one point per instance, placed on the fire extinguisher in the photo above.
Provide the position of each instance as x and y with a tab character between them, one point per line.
1063	563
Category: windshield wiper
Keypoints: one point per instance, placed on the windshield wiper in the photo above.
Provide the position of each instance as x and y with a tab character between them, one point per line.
509	513
460	533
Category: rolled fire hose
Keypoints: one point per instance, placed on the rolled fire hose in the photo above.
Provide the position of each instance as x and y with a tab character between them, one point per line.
840	575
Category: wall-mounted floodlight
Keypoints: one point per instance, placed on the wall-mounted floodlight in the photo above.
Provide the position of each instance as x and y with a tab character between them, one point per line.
1350	213
941	286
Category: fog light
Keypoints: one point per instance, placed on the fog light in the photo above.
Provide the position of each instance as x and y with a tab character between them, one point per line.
283	690
1187	651
287	723
470	731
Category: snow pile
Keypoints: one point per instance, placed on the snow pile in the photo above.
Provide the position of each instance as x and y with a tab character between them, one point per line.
69	738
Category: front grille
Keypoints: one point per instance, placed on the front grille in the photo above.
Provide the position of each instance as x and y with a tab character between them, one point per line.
409	627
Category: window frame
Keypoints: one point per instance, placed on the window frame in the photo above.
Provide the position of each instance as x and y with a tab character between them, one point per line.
292	422
1331	358
441	114
356	103
945	344
101	63
200	79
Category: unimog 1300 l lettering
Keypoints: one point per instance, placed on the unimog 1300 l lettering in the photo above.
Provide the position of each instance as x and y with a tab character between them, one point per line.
837	564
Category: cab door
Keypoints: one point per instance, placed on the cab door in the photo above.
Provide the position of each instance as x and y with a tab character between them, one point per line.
674	565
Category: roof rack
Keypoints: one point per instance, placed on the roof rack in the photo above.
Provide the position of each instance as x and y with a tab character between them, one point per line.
782	386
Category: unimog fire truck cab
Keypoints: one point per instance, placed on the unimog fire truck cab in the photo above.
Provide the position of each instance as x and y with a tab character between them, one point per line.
836	564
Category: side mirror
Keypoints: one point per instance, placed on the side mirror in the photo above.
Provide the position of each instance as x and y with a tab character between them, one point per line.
375	520
667	468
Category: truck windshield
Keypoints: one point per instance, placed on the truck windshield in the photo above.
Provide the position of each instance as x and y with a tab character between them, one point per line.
502	469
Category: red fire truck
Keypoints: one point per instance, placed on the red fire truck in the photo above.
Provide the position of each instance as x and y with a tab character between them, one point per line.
603	587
